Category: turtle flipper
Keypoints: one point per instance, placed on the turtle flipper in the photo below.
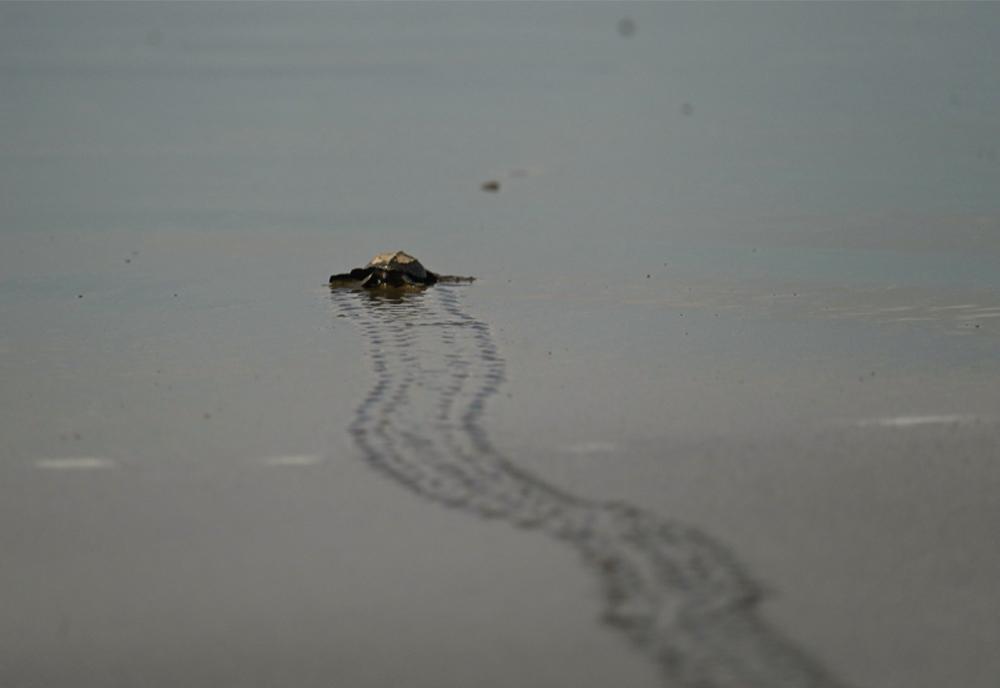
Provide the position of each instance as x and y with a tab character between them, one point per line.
453	279
373	280
355	275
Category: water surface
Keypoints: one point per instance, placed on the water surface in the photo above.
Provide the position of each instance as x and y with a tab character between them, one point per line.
740	274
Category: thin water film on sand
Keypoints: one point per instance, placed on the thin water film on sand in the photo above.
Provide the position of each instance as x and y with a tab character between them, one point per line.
674	591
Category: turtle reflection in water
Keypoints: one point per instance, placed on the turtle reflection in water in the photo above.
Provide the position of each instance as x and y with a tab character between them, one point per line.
397	270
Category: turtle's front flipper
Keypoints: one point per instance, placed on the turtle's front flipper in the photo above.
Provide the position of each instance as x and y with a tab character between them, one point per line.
453	279
355	275
372	280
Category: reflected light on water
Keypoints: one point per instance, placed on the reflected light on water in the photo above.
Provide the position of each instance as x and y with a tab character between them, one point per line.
75	463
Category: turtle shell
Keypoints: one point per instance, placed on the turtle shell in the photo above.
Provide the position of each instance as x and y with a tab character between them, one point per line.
399	262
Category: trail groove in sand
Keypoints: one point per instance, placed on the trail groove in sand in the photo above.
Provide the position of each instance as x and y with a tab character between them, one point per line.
674	591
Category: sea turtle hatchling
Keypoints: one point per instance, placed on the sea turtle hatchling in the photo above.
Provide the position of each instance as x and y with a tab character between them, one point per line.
392	270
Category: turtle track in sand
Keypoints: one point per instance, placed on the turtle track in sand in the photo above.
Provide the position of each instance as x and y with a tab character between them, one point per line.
675	592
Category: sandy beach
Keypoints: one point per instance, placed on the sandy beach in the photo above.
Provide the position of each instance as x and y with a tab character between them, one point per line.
721	409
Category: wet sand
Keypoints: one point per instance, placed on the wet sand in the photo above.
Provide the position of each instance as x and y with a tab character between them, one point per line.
185	499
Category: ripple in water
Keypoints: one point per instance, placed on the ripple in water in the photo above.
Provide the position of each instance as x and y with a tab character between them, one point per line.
671	589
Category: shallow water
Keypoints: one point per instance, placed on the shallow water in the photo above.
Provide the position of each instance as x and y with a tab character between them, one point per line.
672	589
737	287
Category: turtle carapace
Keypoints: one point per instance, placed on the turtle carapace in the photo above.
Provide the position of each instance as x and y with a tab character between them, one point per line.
393	271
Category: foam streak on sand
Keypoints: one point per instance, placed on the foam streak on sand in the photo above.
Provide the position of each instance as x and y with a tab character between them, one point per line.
75	463
917	421
673	590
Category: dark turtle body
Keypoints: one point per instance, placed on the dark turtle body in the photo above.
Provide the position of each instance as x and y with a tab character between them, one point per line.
392	270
